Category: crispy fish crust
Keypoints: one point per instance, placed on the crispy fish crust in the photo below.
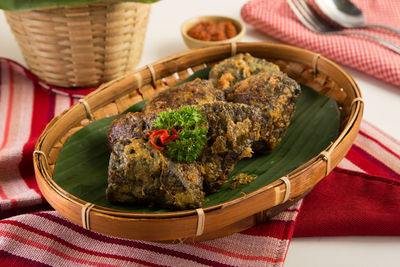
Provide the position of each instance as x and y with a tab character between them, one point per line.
249	111
130	125
233	129
138	173
190	93
275	94
232	70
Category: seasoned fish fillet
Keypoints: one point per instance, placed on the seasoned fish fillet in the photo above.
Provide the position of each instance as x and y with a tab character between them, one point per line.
275	94
233	129
190	93
234	69
249	111
139	173
130	125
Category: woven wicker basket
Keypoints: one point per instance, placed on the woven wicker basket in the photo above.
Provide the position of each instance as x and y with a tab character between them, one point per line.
194	225
81	46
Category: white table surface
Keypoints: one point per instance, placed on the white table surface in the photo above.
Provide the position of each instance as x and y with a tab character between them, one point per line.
382	108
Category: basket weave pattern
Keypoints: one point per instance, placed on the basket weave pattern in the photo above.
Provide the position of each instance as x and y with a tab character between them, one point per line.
81	46
222	219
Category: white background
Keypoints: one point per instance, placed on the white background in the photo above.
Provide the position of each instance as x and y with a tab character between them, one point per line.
382	108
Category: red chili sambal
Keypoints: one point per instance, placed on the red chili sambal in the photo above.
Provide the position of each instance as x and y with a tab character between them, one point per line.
213	31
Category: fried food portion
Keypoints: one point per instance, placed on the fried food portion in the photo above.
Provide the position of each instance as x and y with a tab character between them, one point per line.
233	129
130	125
191	93
275	94
138	173
249	111
234	69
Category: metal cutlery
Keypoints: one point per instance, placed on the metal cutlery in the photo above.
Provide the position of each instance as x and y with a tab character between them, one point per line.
347	15
314	22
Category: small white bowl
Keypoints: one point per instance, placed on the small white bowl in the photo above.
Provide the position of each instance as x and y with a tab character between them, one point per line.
192	42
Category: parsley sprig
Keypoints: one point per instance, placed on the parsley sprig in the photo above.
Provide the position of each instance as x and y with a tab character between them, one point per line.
192	133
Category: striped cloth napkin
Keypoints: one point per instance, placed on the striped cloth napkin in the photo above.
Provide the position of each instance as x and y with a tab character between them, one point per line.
361	196
277	20
33	234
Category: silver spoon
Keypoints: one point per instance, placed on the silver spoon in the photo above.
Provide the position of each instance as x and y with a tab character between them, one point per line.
314	22
347	15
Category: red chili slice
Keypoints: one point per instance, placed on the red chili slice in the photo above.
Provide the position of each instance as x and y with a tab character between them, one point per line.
165	138
155	134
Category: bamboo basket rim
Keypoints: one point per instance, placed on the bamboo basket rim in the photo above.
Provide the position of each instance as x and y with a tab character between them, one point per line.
150	76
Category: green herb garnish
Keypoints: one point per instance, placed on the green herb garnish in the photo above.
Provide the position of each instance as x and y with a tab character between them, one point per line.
192	134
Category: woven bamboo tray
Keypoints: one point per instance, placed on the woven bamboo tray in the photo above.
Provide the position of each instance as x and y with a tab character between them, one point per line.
81	45
195	225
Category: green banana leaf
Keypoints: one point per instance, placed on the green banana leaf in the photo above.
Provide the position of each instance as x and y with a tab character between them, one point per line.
15	5
81	167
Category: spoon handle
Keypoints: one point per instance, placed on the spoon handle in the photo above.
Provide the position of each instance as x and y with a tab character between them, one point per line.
389	28
383	42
